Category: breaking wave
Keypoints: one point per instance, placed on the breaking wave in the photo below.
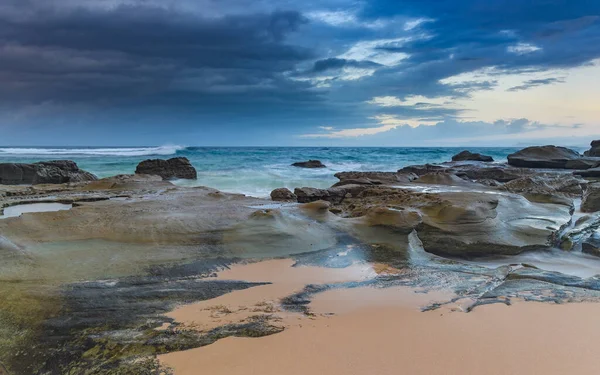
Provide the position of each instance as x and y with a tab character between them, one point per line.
130	151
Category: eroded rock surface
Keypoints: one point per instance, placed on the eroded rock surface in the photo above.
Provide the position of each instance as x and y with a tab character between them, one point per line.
594	150
591	198
283	195
309	164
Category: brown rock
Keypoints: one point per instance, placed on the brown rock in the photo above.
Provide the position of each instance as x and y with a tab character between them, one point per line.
170	169
283	195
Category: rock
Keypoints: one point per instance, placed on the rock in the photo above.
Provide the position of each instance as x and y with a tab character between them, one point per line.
591	198
442	178
595	150
334	194
583	163
592	245
309	164
562	186
589	173
420	170
357	181
170	169
399	219
544	157
283	195
497	173
308	194
469	156
45	172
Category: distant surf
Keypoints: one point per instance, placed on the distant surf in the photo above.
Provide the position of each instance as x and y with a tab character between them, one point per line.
131	151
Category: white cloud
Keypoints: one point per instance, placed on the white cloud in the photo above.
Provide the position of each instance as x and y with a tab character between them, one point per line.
411	101
343	19
386	123
522	48
372	50
409	25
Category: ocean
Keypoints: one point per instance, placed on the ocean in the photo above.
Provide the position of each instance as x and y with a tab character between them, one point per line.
253	171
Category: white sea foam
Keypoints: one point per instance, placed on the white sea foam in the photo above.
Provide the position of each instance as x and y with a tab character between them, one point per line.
131	151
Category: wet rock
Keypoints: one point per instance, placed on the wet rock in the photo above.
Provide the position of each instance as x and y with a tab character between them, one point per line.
376	178
420	170
591	198
547	189
170	169
127	182
309	164
552	157
46	172
481	172
589	173
334	194
399	219
283	195
595	150
357	181
583	163
441	178
469	156
592	245
308	194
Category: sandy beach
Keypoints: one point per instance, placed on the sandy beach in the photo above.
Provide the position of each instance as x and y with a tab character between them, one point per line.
383	331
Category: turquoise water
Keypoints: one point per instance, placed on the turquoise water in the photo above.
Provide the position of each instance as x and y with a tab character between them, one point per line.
249	170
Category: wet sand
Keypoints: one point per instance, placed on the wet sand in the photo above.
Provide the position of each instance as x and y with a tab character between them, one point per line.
383	331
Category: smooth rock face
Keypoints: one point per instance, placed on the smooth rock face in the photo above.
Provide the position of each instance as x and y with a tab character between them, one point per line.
420	170
595	150
309	164
470	156
283	195
46	172
591	198
545	157
168	169
591	173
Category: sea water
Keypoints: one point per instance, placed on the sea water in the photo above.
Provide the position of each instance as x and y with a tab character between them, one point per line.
252	171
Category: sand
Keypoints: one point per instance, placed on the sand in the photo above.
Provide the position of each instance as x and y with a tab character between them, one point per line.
383	331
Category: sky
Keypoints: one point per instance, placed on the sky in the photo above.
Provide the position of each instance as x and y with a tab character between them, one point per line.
299	73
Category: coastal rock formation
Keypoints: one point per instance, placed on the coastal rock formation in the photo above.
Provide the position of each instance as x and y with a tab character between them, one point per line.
546	157
589	173
399	219
45	172
375	178
592	245
283	195
470	156
441	178
170	169
548	189
309	164
591	198
420	170
595	150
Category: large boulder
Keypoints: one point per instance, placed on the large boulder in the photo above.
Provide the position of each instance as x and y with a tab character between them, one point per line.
546	157
45	172
309	164
592	245
170	169
470	156
591	198
595	150
283	195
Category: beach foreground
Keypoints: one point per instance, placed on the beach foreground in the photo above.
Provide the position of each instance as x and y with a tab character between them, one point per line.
469	266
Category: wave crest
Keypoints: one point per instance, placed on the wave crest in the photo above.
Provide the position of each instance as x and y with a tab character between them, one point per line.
130	151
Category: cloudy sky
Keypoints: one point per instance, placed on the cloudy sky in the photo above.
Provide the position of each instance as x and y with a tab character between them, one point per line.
283	72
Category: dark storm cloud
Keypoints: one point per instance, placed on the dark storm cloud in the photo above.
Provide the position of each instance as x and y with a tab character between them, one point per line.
337	63
535	82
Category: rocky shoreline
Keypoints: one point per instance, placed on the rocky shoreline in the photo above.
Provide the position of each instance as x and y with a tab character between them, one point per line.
91	285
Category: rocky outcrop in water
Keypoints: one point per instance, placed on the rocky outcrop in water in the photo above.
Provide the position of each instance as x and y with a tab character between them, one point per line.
595	150
170	169
470	156
551	157
283	195
309	164
45	172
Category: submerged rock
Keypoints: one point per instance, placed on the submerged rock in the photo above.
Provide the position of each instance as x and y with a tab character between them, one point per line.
170	169
545	157
45	172
469	156
283	195
591	198
309	164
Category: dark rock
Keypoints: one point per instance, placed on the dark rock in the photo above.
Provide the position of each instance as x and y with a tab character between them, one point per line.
420	170
170	169
545	157
309	164
591	198
283	195
500	173
589	173
357	181
470	156
46	172
334	195
583	163
595	150
592	245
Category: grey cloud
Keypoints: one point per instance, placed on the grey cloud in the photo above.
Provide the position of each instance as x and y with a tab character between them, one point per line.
536	82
